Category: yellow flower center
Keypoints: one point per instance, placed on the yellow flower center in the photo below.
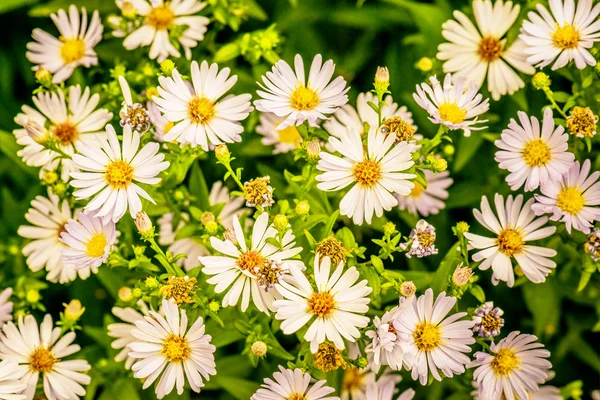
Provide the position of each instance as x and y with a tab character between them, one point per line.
582	122
570	200
490	48
510	241
95	246
329	358
304	98
176	348
65	133
505	362
427	336
367	173
536	153
289	135
321	304
452	113
41	360
565	37
161	17
491	323
425	239
417	190
119	174
180	289
296	396
72	50
353	380
251	261
201	110
332	248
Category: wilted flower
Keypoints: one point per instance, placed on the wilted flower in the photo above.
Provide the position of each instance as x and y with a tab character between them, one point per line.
421	240
328	357
332	248
488	320
461	275
258	192
582	122
408	289
181	289
396	125
592	246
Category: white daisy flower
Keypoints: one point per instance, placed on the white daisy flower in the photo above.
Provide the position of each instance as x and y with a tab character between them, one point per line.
288	94
70	123
121	331
6	306
429	200
166	346
513	228
88	240
284	140
517	367
475	52
374	173
11	388
39	350
250	272
532	155
73	48
385	391
161	19
113	173
348	116
356	382
293	384
200	117
572	198
336	304
565	35
456	106
433	341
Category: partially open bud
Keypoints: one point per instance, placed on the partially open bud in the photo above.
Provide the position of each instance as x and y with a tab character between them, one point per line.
408	289
541	81
259	348
143	223
222	153
382	80
461	275
43	76
167	67
439	165
37	132
73	310
313	149
302	208
151	282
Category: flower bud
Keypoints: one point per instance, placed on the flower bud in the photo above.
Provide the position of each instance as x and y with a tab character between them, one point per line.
222	153
214	306
389	229
362	362
302	208
424	64
43	76
461	275
128	10
137	292
408	289
212	227
32	296
37	132
382	80
439	165
313	149
151	282
462	227
143	223
50	177
125	294
259	348
280	222
73	310
541	81
167	67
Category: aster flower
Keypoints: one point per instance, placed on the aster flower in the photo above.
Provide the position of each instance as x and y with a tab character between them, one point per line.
488	321
121	331
375	173
293	384
582	122
6	306
532	155
513	228
288	94
335	306
592	244
284	140
110	174
166	347
572	198
432	340
477	51
161	19
250	272
356	383
429	200
132	114
517	366
40	350
456	106
385	391
73	48
421	240
563	35
11	388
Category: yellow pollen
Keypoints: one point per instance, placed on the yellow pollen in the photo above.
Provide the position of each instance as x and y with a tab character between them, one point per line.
427	336
321	304
452	113
353	379
41	360
425	239
304	98
95	246
565	37
119	174
289	135
367	173
176	348
180	289
510	241
161	17
251	261
536	153
201	110
582	122
417	190
490	48
72	50
570	200
296	396
505	362
491	323
65	133
332	248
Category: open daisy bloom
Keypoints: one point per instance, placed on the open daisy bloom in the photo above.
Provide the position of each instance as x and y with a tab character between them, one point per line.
572	198
455	105
251	271
564	36
73	48
432	340
515	370
429	200
288	94
112	172
478	51
199	117
295	385
161	18
513	228
375	173
39	350
335	304
165	346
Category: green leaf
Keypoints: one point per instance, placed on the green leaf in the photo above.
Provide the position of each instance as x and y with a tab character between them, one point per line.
466	148
326	231
543	301
198	187
10	148
111	281
241	389
9	5
478	293
450	261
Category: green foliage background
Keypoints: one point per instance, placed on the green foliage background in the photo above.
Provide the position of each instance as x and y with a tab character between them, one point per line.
395	33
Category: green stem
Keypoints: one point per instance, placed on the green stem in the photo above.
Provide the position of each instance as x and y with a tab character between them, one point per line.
555	106
379	107
234	176
435	141
172	269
